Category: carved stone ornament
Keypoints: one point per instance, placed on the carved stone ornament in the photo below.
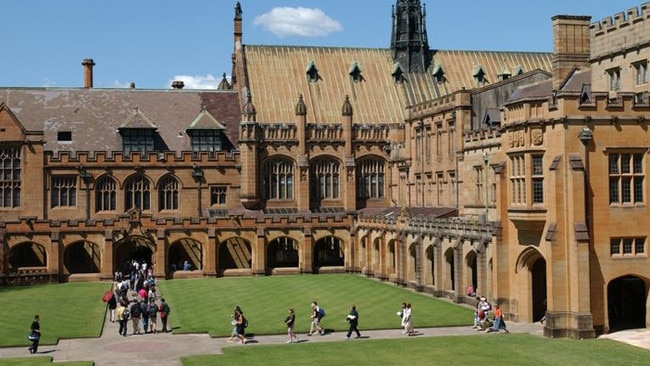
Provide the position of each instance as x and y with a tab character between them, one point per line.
537	137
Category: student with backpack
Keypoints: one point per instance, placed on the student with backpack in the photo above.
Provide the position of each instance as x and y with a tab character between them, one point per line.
144	307
164	314
317	313
153	315
136	314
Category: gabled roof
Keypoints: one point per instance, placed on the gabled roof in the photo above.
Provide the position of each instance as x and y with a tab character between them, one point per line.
277	75
205	121
94	116
137	120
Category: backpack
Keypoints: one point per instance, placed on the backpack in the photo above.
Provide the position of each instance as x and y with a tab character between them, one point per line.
245	323
126	314
153	310
321	312
136	311
164	309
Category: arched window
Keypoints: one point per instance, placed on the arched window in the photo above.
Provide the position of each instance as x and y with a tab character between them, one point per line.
137	193
105	194
370	178
168	193
325	179
278	179
10	176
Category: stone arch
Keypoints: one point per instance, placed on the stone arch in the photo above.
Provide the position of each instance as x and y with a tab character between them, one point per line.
328	252
27	254
392	257
82	257
471	270
627	299
282	252
133	247
450	279
234	254
185	249
429	267
411	270
531	277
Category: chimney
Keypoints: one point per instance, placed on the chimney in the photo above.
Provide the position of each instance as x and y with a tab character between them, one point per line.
88	64
571	46
178	84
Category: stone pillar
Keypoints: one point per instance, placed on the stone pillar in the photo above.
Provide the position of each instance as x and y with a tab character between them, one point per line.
306	252
107	268
160	255
211	252
259	253
459	292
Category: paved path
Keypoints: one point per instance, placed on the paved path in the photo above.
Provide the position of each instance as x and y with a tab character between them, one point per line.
167	349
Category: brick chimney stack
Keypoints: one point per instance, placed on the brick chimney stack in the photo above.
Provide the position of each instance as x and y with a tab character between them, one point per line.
88	64
571	46
178	84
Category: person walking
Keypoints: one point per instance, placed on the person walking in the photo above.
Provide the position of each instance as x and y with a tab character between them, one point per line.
353	319
316	316
136	315
290	320
112	305
153	316
122	318
35	334
499	323
144	310
164	314
233	322
241	323
408	320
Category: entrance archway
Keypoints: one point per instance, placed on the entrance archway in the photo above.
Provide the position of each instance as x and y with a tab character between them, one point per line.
626	298
328	252
538	272
184	250
27	255
82	257
234	253
282	253
132	248
471	273
450	265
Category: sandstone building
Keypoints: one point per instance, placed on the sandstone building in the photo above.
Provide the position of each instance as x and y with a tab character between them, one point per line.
520	173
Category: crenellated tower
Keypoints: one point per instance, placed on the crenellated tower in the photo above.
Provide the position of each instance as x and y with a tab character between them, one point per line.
409	36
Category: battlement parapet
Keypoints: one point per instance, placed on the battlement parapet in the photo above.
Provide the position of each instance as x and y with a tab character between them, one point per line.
627	30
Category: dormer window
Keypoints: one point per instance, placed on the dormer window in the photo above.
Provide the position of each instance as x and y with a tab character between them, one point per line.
206	132
479	75
355	72
505	73
398	74
138	133
585	94
518	70
312	72
439	74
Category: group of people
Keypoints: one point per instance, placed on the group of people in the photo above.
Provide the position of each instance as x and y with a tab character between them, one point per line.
482	320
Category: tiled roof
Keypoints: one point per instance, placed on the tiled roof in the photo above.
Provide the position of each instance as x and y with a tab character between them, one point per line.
93	116
277	76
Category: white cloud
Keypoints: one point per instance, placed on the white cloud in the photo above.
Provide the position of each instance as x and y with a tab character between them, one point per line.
302	22
197	82
120	84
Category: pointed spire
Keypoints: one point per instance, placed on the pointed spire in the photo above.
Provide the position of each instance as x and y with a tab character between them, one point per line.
249	108
347	107
409	41
224	84
301	108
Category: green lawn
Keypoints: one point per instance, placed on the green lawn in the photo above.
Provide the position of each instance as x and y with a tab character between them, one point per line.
502	349
69	310
206	305
37	361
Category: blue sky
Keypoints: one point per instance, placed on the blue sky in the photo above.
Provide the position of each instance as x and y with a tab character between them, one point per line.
152	42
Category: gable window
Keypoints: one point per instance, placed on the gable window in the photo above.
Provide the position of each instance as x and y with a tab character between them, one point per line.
355	73
312	72
398	74
626	178
614	79
137	193
480	77
137	139
168	193
218	195
325	179
278	176
641	72
206	140
439	74
64	191
105	194
10	184
370	178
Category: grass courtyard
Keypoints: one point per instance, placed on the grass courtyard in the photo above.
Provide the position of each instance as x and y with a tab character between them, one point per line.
205	305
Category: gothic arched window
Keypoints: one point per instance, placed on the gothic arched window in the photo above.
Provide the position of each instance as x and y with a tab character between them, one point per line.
278	175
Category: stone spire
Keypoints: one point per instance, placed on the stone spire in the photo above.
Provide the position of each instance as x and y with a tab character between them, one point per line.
409	41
